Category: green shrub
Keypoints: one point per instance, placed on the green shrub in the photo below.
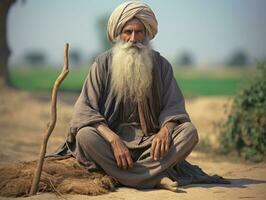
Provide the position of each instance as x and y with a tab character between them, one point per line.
245	128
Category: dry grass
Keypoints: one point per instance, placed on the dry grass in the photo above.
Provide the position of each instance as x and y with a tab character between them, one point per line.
63	176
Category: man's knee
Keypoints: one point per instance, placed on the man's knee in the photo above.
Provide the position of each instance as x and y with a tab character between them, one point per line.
87	136
190	131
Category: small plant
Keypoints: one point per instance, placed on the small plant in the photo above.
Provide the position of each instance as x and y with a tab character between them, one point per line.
245	129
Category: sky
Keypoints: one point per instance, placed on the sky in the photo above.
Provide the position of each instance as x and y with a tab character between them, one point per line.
211	30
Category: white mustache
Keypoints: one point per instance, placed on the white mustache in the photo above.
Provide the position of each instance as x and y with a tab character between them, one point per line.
128	45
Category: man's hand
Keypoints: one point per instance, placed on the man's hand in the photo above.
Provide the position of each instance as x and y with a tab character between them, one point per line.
160	144
121	153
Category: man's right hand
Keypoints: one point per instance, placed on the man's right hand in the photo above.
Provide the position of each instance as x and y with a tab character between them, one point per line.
121	153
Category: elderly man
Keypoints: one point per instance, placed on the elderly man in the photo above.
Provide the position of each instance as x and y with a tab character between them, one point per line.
130	118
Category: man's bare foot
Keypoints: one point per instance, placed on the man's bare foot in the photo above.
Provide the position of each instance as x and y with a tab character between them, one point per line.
167	184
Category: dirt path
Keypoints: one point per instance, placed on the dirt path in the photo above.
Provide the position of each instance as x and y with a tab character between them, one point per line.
23	117
248	182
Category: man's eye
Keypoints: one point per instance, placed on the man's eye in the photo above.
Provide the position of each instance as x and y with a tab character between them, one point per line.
127	32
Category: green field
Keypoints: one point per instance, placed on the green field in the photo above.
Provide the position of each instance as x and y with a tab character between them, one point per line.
193	82
208	82
42	79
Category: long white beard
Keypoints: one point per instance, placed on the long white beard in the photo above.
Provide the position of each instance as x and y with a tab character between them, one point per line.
131	70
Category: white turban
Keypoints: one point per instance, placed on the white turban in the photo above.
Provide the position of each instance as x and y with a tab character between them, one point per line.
126	11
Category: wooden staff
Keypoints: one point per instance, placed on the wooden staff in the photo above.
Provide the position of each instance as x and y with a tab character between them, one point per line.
51	124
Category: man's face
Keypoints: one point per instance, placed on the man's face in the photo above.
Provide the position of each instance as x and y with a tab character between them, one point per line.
133	31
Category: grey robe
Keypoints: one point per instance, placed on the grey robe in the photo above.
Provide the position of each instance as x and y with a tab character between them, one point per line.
97	103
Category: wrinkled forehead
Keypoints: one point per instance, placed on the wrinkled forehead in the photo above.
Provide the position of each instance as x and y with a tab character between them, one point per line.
134	23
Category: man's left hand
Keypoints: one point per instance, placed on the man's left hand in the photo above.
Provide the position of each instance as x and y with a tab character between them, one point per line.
160	144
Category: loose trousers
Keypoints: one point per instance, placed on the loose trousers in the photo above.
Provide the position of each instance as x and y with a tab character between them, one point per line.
146	172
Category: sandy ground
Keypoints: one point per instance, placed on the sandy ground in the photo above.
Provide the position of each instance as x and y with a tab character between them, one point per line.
24	115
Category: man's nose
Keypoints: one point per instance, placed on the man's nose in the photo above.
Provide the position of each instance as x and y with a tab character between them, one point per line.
133	37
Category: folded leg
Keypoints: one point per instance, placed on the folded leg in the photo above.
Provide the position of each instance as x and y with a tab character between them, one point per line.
146	172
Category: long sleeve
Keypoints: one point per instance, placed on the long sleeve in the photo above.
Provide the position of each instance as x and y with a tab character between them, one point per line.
173	103
86	110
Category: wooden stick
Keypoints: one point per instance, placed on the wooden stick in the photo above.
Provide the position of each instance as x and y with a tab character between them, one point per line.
51	124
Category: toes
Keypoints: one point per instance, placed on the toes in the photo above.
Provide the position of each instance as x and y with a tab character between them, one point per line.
174	189
174	184
168	184
170	188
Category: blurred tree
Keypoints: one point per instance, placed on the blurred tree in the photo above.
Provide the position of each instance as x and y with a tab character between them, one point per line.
75	56
245	128
239	58
102	30
35	58
185	59
5	6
